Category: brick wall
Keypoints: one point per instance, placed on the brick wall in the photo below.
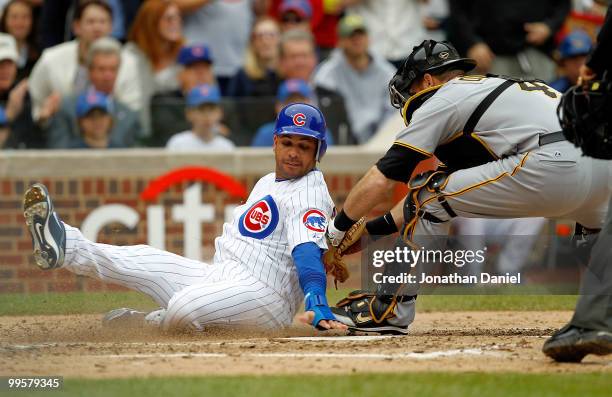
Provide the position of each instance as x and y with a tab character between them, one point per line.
78	192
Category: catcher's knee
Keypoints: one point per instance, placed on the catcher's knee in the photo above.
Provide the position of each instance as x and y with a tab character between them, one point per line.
425	200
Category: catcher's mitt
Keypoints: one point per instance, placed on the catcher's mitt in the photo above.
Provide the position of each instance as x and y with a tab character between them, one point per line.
584	114
332	259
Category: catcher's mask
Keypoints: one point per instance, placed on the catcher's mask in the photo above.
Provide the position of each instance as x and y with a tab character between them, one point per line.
585	114
428	57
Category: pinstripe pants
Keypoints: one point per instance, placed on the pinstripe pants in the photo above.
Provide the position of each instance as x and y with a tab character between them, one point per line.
194	293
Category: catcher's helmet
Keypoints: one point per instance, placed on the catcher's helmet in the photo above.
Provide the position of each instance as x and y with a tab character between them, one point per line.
428	57
585	114
303	119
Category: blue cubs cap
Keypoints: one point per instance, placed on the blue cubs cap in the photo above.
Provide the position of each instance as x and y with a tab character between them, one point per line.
300	7
202	94
194	53
292	87
302	119
90	100
3	118
574	44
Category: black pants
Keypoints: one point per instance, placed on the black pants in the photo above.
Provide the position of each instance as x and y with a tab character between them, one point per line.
594	307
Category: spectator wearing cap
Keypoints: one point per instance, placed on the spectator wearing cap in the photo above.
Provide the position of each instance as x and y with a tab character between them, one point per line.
103	64
204	114
295	14
225	27
18	21
394	26
357	75
290	91
15	99
93	110
570	56
298	57
197	67
259	75
61	70
323	20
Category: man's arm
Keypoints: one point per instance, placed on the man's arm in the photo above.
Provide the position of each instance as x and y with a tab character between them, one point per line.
396	165
311	274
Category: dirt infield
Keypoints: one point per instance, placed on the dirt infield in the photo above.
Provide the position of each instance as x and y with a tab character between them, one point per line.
78	346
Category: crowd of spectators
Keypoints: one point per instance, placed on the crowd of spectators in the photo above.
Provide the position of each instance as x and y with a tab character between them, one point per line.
211	74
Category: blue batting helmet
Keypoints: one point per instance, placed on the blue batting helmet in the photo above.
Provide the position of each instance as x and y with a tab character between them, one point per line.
302	119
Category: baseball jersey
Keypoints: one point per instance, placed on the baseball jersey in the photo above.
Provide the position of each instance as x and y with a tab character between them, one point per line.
512	124
277	216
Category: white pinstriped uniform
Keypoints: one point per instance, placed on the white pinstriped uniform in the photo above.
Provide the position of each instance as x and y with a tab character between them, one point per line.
252	280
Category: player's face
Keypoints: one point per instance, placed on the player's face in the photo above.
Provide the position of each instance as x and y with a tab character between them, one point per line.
295	155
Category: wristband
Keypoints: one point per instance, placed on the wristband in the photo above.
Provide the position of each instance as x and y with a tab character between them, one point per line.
342	222
317	303
382	226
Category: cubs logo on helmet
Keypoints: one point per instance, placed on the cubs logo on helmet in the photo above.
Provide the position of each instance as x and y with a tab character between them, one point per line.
299	119
260	220
315	220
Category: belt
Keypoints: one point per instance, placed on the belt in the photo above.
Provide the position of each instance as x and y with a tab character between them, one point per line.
551	138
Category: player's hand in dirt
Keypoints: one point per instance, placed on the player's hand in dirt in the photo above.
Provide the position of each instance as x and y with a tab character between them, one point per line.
307	317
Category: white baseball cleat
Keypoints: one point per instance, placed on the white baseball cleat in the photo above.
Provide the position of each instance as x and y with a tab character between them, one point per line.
130	318
47	230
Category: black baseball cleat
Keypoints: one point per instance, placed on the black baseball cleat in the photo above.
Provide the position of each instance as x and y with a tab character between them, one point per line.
363	322
363	311
571	344
47	230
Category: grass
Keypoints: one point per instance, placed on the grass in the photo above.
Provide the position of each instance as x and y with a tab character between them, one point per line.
99	302
405	384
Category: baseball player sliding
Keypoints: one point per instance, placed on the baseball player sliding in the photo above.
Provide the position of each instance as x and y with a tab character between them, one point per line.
266	262
504	155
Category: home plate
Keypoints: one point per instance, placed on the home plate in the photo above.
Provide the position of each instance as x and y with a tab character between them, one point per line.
337	338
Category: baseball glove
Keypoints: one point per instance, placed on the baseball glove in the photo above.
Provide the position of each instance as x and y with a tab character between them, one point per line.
334	264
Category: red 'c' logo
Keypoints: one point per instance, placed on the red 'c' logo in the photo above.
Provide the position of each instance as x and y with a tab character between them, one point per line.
299	119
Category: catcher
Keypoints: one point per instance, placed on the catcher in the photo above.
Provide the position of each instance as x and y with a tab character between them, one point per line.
504	156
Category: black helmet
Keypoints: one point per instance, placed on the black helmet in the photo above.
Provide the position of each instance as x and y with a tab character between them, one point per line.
428	57
585	114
